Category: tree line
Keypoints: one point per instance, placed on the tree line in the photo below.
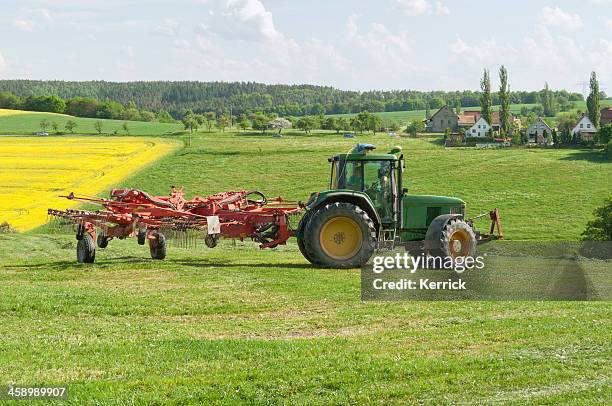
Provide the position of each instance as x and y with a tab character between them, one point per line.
83	107
248	97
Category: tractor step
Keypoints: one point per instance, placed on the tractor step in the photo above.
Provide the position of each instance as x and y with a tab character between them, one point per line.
386	240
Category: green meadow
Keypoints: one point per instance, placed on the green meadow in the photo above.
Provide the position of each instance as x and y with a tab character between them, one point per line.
237	324
29	123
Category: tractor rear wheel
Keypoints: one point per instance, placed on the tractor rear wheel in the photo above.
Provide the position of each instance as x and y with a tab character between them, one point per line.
86	249
157	246
339	235
455	239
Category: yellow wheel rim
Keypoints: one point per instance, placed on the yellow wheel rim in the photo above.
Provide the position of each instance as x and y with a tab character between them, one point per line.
341	238
459	243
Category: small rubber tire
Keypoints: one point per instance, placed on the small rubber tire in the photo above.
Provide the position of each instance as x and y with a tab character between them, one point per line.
142	237
323	216
157	246
103	241
86	250
80	232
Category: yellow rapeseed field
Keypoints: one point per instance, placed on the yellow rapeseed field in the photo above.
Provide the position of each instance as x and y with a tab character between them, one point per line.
8	112
34	171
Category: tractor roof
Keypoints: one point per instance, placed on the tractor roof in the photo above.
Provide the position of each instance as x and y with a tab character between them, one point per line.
363	152
365	157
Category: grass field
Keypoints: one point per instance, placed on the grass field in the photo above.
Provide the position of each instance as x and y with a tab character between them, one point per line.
28	122
34	171
237	324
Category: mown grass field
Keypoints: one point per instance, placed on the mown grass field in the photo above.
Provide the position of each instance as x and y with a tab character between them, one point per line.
237	324
28	122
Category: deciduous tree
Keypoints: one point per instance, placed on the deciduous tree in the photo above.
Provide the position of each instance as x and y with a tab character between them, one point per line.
70	126
485	97
593	101
504	99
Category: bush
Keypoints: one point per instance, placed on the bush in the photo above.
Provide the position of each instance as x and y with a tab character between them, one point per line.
478	140
608	150
600	229
5	228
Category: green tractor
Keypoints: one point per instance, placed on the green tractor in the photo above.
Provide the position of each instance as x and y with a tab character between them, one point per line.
367	208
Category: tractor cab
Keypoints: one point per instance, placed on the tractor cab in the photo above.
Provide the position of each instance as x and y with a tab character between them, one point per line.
378	175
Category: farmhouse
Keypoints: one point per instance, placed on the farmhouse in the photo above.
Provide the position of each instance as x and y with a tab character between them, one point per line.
441	120
539	133
606	116
470	117
585	129
480	129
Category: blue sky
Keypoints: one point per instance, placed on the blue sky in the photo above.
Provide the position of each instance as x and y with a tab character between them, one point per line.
385	44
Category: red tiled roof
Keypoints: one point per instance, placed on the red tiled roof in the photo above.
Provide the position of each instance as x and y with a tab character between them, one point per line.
469	115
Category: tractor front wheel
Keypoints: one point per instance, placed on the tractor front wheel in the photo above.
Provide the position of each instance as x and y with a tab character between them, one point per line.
157	246
339	235
454	238
86	249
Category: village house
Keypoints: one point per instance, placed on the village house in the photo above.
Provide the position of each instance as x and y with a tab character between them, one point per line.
480	129
539	133
585	129
464	123
441	120
606	116
469	117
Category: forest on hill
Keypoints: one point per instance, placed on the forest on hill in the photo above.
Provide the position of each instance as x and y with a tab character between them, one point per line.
249	97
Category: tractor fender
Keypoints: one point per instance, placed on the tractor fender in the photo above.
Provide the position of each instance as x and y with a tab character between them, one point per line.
360	200
432	237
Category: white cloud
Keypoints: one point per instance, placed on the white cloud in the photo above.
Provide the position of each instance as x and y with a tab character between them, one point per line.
252	13
603	2
442	10
25	25
420	7
169	28
3	64
555	17
40	13
128	51
483	52
180	43
606	21
414	7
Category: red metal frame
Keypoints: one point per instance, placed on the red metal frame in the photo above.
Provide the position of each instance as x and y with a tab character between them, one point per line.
128	211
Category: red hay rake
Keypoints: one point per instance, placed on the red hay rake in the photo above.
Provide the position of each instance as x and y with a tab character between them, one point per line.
130	212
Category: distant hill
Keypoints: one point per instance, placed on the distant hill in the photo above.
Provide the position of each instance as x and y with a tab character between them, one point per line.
246	97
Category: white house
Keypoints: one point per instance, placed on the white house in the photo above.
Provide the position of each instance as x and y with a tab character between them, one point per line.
480	129
585	129
539	132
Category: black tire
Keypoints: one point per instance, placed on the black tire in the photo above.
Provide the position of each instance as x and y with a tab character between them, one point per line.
454	238
142	237
300	236
80	232
365	234
103	240
157	246
86	250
